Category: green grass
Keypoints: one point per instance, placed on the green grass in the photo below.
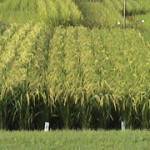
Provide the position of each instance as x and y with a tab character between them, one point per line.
75	140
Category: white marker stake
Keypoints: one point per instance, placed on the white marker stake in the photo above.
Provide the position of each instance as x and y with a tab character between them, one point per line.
46	127
118	23
142	20
122	125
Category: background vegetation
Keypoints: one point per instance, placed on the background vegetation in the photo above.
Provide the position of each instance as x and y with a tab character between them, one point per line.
51	11
74	66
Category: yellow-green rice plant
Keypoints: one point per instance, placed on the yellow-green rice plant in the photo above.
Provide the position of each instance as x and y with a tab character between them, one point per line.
103	91
62	14
53	14
73	69
9	51
14	78
72	63
24	53
39	65
63	11
86	61
7	34
38	104
75	14
56	75
11	45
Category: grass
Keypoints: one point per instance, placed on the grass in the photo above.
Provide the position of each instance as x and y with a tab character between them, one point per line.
75	140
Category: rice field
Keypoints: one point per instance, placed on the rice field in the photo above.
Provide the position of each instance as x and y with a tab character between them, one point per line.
60	65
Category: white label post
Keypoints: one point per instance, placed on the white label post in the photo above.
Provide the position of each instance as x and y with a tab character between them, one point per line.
46	127
122	125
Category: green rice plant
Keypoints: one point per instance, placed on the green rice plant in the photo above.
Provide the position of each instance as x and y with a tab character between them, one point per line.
6	35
